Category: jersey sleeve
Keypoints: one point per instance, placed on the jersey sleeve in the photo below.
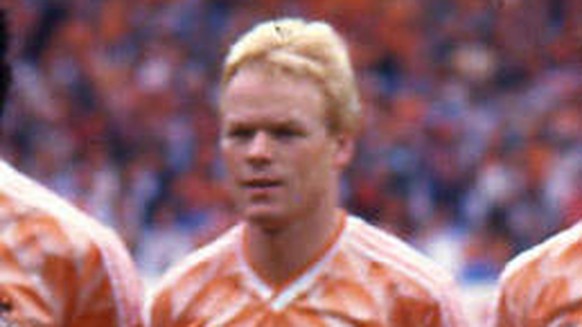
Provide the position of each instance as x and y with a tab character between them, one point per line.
52	276
110	288
537	302
58	266
542	288
159	310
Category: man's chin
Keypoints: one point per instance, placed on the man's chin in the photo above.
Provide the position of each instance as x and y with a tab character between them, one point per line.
268	219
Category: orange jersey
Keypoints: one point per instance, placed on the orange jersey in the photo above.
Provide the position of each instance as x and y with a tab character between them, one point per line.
58	267
543	286
365	278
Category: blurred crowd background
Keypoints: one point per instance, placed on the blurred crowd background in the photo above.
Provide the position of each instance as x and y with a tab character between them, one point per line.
471	150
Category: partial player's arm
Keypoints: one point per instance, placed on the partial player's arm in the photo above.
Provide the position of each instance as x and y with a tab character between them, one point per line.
537	304
38	272
160	310
52	276
109	288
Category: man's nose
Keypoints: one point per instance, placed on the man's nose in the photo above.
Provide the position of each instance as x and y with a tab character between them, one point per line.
260	149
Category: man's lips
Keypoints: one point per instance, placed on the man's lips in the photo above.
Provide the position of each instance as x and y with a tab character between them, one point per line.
261	185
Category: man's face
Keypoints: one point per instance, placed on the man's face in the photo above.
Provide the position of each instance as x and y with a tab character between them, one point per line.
280	157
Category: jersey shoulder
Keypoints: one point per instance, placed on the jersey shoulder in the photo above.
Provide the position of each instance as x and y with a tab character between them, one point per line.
395	255
37	226
542	284
202	262
187	279
23	200
408	278
552	260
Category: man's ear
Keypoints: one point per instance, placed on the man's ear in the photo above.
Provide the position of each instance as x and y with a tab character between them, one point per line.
343	150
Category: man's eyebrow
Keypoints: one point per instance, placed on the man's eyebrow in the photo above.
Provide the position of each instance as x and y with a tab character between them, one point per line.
287	121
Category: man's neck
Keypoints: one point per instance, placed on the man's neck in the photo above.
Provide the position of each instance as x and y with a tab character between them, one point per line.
279	257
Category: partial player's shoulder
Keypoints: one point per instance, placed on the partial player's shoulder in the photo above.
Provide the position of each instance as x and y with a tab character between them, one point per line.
397	259
558	255
540	283
187	279
39	227
32	213
403	276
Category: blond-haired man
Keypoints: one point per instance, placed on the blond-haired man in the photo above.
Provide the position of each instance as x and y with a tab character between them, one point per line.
289	114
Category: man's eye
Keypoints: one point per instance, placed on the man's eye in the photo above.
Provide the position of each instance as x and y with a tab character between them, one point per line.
286	133
241	133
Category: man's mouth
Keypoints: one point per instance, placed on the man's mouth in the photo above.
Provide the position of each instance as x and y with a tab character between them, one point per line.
262	183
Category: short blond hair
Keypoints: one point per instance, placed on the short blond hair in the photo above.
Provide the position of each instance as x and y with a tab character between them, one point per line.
307	49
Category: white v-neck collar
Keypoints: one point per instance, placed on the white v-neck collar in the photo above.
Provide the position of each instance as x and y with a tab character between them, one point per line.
278	299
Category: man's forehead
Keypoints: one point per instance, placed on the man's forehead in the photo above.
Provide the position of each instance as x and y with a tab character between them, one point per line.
251	117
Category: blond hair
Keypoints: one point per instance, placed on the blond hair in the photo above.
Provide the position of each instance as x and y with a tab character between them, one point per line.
307	49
